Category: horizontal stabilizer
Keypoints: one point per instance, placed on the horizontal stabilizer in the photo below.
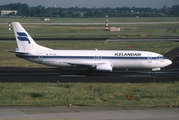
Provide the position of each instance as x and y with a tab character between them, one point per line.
16	52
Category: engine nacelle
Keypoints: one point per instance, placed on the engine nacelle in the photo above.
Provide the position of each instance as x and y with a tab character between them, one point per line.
104	67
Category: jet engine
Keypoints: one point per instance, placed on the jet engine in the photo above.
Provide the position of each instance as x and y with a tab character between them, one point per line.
104	67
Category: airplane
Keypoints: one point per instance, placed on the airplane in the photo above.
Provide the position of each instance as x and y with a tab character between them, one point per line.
98	60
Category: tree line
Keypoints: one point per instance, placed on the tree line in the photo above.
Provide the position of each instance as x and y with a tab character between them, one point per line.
41	11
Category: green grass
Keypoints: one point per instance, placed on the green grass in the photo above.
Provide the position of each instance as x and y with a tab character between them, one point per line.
51	31
90	94
94	31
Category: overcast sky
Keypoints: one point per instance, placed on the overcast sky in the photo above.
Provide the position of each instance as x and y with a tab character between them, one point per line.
96	3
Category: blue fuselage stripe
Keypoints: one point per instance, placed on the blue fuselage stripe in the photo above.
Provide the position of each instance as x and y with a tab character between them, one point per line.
87	57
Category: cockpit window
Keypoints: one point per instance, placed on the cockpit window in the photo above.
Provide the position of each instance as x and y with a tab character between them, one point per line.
159	57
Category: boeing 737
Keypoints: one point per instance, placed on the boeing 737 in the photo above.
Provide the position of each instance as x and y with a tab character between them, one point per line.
100	60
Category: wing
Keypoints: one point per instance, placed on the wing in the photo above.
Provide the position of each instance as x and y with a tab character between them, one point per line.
98	66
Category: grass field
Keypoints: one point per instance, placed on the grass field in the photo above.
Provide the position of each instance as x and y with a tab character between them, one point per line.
89	94
57	31
94	31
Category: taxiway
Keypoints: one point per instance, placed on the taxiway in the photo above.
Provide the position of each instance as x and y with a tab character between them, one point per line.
168	74
87	113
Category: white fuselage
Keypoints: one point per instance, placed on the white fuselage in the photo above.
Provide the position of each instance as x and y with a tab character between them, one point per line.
118	59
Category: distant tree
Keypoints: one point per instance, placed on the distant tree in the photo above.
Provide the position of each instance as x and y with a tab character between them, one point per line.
175	10
42	11
20	12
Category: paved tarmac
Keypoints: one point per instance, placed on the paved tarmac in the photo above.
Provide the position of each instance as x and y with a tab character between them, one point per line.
54	75
112	23
171	39
168	74
87	113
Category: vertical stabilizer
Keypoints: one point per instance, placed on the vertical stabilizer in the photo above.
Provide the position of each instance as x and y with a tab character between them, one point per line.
24	40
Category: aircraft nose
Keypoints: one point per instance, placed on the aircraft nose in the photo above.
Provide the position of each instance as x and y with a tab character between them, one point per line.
169	62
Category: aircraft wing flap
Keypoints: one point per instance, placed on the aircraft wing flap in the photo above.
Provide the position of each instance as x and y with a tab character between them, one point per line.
81	64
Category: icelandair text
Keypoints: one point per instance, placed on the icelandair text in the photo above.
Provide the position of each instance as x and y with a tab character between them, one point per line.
127	54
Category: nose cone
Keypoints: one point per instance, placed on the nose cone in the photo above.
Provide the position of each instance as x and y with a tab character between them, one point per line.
168	62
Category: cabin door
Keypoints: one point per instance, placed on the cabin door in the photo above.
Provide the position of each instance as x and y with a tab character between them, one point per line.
149	58
40	57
